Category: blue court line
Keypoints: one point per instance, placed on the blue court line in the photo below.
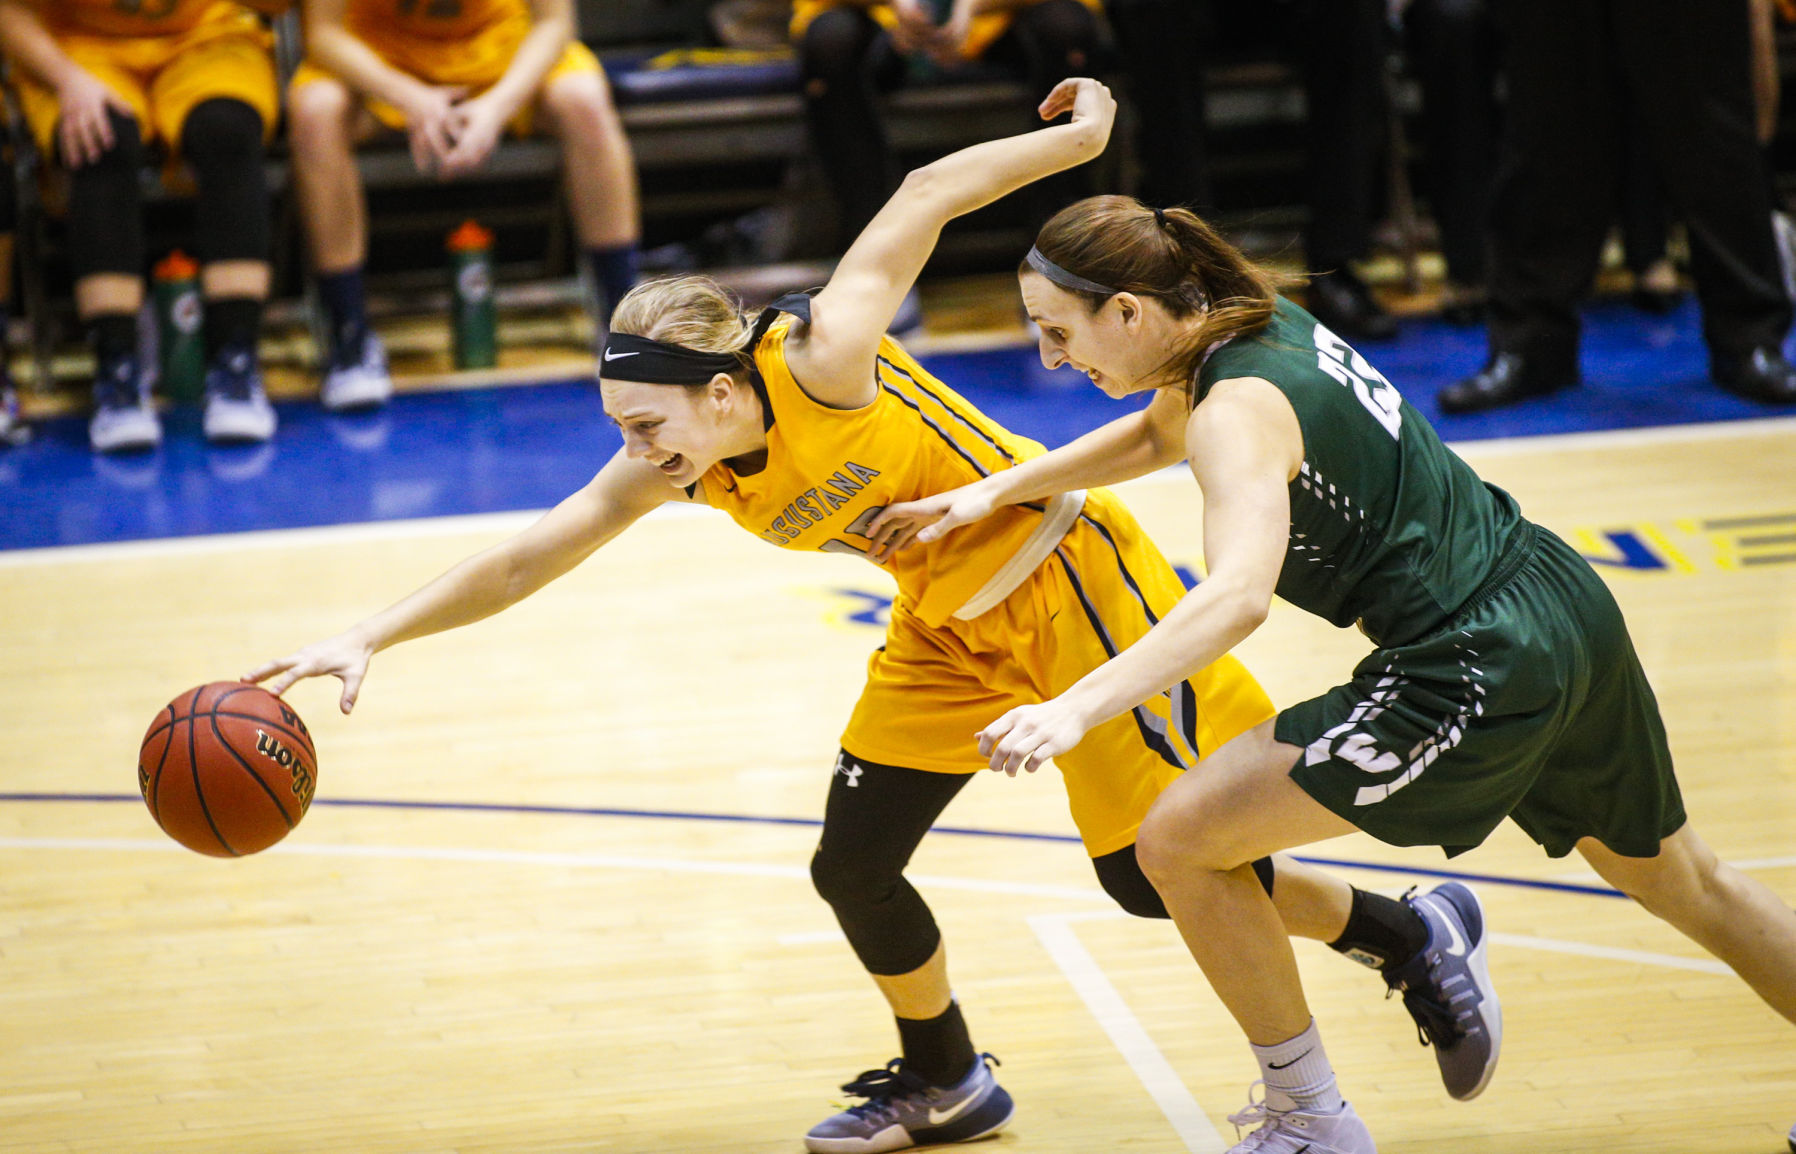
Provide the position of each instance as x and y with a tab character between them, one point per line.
815	823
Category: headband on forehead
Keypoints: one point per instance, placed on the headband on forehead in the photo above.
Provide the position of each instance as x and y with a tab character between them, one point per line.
633	358
1064	279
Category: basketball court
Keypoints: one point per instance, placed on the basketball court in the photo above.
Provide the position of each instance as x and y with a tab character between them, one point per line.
553	895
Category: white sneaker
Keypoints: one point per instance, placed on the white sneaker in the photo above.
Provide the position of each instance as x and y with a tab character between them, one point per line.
237	410
13	429
1297	1132
362	384
124	418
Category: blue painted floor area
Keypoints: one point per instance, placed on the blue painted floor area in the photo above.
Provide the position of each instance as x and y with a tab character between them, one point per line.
526	447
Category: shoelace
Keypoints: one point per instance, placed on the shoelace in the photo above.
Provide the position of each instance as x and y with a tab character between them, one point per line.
1442	1026
882	1088
1271	1123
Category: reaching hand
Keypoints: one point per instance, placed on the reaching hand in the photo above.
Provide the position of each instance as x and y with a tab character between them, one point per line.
85	129
1030	734
925	520
344	656
1087	99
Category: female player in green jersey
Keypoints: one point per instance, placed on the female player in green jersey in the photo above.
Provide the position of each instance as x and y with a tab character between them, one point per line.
1503	682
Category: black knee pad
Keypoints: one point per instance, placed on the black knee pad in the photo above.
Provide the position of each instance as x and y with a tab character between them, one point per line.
835	45
852	881
222	140
106	206
1120	875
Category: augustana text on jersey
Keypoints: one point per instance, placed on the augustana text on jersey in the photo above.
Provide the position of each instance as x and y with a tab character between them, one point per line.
819	502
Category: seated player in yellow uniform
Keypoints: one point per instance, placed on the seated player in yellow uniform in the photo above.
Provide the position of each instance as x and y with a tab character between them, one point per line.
101	80
453	75
801	426
852	51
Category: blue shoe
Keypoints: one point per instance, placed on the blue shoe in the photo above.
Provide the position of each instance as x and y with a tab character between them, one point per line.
902	1110
1447	989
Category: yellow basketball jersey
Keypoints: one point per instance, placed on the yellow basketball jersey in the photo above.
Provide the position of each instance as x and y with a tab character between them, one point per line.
830	471
134	18
430	19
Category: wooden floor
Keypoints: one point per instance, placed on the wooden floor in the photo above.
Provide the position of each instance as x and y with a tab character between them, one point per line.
418	979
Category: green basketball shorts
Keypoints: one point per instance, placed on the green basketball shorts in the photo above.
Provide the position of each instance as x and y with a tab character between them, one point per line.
1528	703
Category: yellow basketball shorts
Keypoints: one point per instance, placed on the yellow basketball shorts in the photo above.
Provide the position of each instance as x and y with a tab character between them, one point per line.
163	78
929	690
476	64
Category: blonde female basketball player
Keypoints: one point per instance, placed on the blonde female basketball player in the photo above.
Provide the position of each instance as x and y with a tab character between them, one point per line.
1503	683
802	426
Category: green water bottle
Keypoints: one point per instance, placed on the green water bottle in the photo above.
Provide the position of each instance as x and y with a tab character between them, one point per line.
181	347
473	312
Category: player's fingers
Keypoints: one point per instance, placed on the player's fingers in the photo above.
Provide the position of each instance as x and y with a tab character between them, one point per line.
989	737
263	671
352	688
283	683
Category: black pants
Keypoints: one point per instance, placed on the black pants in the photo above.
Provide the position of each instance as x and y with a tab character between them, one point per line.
1452	50
1575	67
847	62
1339	47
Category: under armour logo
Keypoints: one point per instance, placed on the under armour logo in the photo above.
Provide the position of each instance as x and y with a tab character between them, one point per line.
848	770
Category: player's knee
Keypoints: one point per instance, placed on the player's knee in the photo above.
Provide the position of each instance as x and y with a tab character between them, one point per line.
580	98
848	881
317	111
126	156
222	131
834	48
1173	844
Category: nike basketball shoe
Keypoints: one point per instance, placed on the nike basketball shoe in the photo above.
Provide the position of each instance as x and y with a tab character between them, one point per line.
903	1110
1447	989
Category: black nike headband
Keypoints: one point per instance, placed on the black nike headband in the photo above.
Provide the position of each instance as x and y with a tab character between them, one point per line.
633	358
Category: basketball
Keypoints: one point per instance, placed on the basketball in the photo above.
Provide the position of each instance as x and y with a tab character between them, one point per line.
227	769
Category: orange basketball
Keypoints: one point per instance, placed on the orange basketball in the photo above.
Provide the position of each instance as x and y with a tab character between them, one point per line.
227	769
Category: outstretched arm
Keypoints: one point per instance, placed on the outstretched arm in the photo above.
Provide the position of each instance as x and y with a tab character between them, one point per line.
834	358
1245	446
485	583
1127	447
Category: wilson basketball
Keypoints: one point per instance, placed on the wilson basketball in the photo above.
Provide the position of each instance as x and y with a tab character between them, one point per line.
227	769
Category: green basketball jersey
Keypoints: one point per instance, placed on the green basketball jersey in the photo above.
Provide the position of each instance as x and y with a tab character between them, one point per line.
1389	527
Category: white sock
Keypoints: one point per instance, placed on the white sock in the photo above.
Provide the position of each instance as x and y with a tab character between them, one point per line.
1298	1076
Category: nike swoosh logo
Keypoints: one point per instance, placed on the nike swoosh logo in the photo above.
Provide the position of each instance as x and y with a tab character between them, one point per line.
611	356
1457	948
1292	1062
940	1117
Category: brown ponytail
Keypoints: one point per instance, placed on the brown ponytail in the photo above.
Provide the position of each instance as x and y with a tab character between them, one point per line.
1169	254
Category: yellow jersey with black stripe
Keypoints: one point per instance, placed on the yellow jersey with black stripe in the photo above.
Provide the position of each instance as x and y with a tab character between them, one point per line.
134	18
830	471
385	20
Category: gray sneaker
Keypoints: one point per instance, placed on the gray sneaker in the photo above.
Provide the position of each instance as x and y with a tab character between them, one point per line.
1447	989
124	417
1792	1140
1299	1132
902	1110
